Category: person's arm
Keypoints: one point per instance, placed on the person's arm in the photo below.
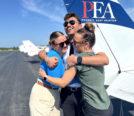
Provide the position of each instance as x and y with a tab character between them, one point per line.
62	82
42	55
51	61
99	59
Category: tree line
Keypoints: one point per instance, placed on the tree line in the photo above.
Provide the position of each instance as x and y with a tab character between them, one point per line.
8	49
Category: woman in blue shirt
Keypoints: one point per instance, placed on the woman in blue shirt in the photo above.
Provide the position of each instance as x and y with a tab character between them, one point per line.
45	97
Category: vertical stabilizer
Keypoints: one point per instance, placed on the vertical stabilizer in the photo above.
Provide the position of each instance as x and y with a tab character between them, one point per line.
30	48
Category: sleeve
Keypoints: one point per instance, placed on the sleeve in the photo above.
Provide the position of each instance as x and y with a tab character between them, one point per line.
43	66
96	49
79	67
48	49
83	68
56	72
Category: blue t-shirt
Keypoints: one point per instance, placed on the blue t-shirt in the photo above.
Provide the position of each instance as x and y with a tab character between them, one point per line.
56	72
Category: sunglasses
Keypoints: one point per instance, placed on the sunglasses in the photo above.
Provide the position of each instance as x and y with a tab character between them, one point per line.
74	43
72	22
62	43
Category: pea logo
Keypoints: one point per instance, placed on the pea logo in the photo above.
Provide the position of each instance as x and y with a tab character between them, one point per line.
98	8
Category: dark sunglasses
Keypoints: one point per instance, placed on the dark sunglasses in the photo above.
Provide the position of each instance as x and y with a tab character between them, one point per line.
62	43
72	22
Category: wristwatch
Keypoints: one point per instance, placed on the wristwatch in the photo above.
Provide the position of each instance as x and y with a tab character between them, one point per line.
45	78
79	59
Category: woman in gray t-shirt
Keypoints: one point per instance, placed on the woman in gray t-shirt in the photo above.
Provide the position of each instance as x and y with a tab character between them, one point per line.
95	100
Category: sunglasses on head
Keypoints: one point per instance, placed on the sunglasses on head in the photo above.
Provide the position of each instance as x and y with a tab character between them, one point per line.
62	43
72	22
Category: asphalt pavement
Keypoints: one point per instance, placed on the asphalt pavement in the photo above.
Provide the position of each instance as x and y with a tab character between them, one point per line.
18	73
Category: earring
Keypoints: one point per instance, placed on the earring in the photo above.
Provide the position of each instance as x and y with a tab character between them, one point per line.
85	49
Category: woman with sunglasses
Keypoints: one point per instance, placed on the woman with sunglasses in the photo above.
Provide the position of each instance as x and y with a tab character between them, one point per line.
95	100
45	97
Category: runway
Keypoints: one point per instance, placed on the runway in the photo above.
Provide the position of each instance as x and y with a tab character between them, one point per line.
18	73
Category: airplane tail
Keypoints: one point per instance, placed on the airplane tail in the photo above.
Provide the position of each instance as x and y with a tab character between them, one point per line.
21	48
31	49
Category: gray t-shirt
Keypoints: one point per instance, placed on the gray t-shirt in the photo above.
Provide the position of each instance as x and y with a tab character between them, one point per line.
92	84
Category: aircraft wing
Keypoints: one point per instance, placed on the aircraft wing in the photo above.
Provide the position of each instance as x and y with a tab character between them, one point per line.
123	87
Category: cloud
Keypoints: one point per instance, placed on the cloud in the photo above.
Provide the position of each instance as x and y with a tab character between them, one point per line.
24	13
128	6
130	12
53	10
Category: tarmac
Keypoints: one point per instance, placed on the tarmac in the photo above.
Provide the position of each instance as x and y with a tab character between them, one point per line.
18	73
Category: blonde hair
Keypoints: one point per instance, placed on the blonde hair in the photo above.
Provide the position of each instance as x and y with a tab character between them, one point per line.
54	36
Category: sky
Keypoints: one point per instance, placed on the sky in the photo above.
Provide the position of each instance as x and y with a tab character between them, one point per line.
35	20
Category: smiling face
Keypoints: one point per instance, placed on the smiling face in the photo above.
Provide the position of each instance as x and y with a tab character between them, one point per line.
56	46
78	43
72	29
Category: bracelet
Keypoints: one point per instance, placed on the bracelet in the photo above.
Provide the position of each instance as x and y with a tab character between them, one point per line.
47	60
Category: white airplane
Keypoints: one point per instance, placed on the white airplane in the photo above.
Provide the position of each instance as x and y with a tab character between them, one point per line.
29	48
115	35
21	48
